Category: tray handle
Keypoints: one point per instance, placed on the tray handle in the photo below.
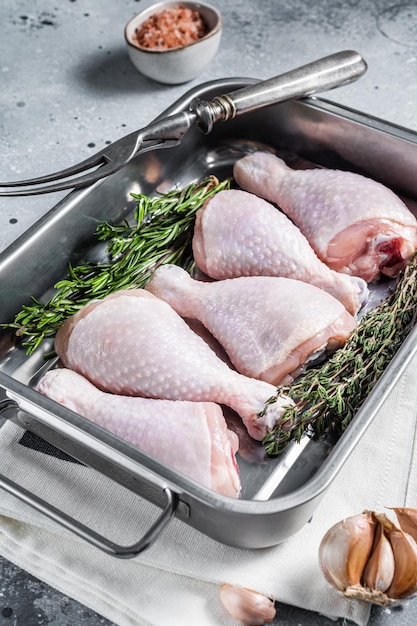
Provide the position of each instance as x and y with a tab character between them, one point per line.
83	531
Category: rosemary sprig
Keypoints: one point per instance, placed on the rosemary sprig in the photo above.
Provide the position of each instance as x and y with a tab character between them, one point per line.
328	397
161	233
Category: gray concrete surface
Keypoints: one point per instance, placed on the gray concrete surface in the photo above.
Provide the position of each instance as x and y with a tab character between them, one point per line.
67	87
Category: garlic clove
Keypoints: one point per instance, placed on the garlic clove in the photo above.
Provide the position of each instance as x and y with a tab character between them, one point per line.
379	570
345	549
404	582
407	519
248	606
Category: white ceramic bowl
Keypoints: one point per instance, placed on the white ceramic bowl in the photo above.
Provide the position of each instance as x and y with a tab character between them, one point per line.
175	65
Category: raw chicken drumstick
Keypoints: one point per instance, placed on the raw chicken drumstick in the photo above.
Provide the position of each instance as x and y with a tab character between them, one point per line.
190	437
268	326
133	343
239	234
354	224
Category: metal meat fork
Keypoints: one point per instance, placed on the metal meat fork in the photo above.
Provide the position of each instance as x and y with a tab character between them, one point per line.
326	73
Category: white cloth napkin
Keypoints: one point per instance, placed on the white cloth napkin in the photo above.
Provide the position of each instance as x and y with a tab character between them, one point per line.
176	581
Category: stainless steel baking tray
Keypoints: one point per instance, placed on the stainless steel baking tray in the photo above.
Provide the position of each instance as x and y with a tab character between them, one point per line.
281	494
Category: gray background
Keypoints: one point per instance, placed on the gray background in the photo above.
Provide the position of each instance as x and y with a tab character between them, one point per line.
67	87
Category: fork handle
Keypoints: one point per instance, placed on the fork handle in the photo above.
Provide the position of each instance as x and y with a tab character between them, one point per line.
325	73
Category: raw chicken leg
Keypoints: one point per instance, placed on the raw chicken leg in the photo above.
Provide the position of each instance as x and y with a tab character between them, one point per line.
133	343
191	437
354	224
268	326
238	234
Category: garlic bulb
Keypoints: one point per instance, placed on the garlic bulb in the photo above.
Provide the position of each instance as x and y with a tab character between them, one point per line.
367	556
248	606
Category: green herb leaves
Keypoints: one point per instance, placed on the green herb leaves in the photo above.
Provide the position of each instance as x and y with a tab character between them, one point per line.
162	233
328	397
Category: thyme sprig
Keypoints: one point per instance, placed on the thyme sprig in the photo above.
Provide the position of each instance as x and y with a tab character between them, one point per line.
161	233
328	397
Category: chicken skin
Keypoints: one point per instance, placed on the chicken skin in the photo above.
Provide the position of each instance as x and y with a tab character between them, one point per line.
354	224
133	343
190	437
269	326
239	234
